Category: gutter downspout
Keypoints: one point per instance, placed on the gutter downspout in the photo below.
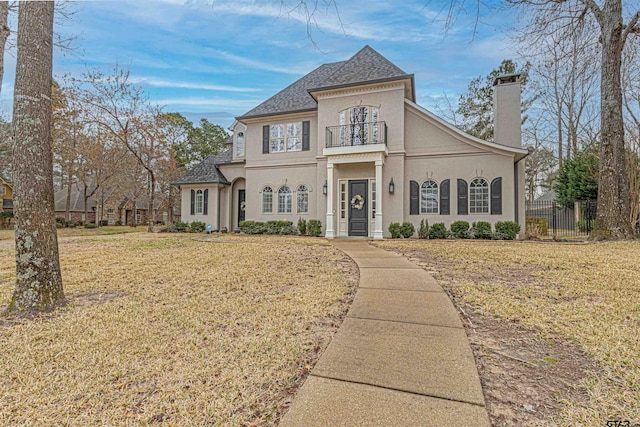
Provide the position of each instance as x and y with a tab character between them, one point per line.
218	207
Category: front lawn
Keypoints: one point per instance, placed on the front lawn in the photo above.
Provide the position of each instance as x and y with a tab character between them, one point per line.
81	231
167	330
582	295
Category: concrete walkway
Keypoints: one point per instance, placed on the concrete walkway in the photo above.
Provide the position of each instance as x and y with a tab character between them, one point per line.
401	357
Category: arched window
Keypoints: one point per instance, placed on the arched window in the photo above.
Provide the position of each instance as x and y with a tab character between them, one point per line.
479	196
429	197
199	202
240	145
267	200
285	201
303	199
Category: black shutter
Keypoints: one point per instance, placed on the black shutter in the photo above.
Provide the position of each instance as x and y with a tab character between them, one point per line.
414	198
265	139
305	135
205	208
444	198
496	196
463	197
193	202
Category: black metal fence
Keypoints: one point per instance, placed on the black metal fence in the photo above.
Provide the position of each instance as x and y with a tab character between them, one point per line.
554	219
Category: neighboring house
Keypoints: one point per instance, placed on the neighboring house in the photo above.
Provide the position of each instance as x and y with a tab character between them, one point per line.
126	210
6	190
76	205
348	144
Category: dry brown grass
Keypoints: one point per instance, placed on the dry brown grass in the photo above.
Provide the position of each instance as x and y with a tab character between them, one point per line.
589	293
165	330
81	231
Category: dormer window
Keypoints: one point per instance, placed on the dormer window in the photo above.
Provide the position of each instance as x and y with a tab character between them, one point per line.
240	144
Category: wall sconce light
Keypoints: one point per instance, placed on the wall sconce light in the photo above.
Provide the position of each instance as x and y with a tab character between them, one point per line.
325	188
392	187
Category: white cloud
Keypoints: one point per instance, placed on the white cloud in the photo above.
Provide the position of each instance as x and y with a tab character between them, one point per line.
253	63
156	82
228	103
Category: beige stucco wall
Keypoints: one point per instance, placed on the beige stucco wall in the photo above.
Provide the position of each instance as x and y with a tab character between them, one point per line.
212	208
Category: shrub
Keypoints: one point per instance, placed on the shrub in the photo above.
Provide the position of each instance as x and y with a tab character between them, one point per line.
481	230
197	226
542	223
90	225
314	228
276	226
252	227
438	231
104	222
396	230
460	229
506	230
60	222
533	231
581	224
423	231
179	227
289	230
72	224
302	226
407	230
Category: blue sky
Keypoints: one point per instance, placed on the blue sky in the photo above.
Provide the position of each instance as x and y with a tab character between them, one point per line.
219	58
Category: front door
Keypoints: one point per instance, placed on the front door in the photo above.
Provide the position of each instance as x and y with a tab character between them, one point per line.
241	206
358	224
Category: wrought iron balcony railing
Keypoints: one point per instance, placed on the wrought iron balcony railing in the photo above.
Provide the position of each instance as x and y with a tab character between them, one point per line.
356	134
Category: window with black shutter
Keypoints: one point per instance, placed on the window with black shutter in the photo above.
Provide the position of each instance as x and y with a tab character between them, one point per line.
206	202
444	198
463	205
414	198
193	202
496	196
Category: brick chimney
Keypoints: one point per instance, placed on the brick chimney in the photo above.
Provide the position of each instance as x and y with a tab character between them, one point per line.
506	110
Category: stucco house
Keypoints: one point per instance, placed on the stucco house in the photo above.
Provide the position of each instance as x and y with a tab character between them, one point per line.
349	145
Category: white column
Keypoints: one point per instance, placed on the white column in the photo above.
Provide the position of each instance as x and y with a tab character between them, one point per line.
330	226
377	229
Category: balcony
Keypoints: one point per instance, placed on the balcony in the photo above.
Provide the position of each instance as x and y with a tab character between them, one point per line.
356	134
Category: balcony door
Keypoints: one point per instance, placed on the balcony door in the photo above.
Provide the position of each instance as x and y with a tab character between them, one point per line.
358	208
359	126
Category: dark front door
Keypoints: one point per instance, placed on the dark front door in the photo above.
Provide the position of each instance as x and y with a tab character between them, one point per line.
358	206
241	207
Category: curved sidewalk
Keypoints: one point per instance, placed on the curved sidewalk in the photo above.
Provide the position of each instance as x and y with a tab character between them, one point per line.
401	357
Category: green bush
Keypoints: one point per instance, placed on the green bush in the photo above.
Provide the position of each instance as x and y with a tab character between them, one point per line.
60	222
396	230
302	226
481	230
438	231
197	227
506	230
179	227
407	230
90	225
314	228
72	224
542	223
289	230
423	231
460	229
276	226
104	222
252	227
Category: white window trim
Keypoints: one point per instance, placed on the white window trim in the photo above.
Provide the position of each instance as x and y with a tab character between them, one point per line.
285	138
487	186
238	145
285	196
298	211
196	210
437	192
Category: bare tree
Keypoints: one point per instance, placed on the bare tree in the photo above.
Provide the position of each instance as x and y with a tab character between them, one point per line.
38	279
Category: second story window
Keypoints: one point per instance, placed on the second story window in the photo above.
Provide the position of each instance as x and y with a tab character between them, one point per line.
285	137
359	126
240	145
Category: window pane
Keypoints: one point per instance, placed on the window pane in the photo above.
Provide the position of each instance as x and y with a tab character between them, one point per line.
277	145
240	145
479	196
294	129
267	200
277	131
429	197
284	200
294	144
303	199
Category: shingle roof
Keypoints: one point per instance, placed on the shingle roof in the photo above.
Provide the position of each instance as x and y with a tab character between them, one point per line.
76	203
365	66
207	170
295	97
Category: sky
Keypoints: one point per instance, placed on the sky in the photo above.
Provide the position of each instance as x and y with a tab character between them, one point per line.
220	58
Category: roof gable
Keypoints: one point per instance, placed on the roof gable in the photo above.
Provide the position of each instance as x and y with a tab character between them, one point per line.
207	172
366	66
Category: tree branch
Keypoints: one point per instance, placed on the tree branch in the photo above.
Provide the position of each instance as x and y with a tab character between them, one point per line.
595	9
631	27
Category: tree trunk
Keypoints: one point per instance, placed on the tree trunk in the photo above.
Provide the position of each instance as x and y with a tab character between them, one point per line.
612	220
67	211
4	35
38	279
86	202
151	213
